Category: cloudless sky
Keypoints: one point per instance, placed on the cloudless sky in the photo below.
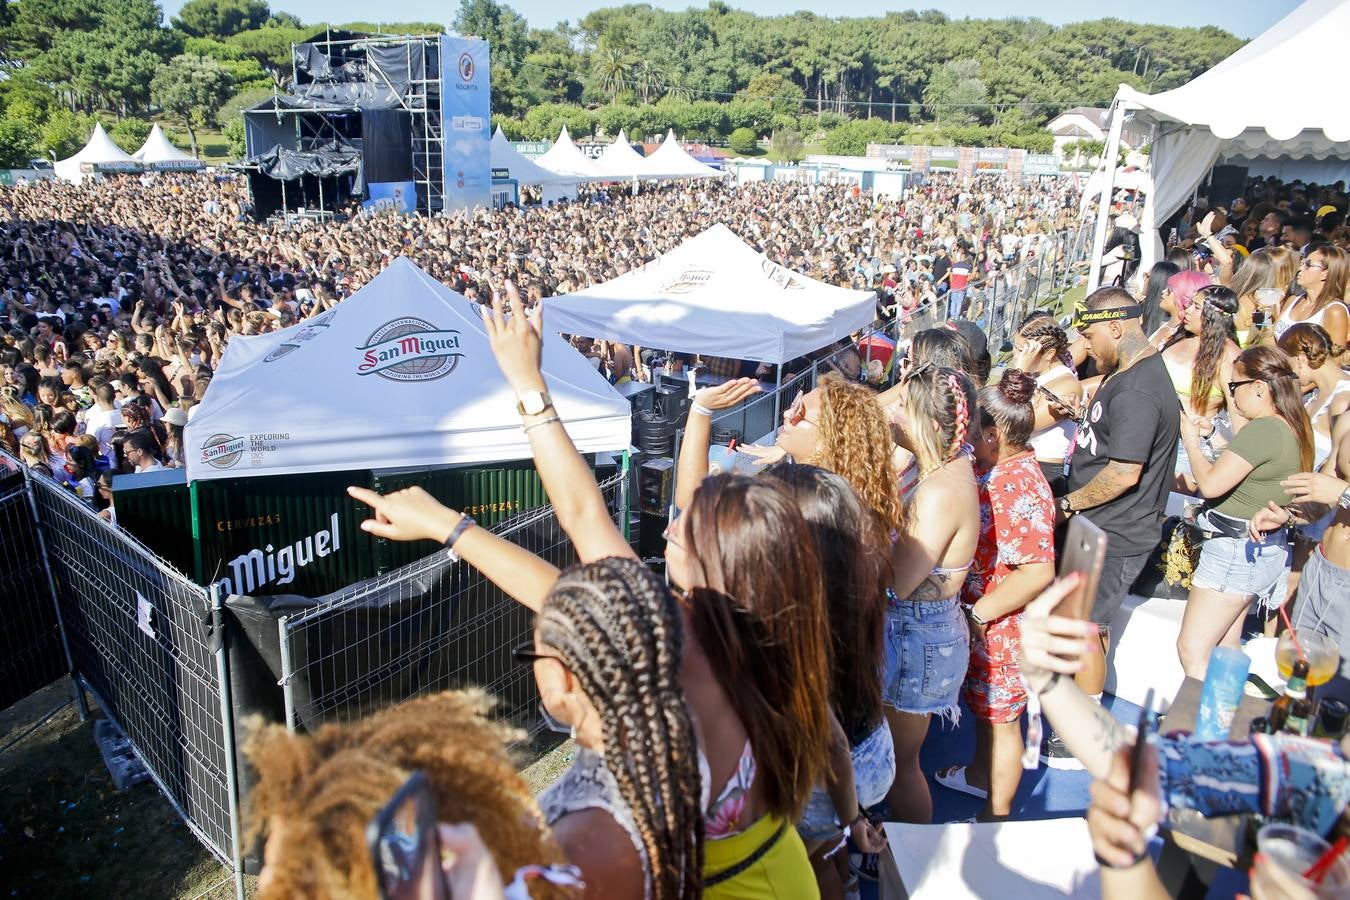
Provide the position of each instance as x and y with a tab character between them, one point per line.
1244	18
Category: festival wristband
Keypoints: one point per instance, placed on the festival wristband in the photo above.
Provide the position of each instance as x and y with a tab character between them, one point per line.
702	410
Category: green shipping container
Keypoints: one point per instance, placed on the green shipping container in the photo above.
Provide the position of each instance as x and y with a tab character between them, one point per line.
157	509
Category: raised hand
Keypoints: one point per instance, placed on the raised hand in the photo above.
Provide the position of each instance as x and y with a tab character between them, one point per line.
517	340
727	395
1054	644
407	515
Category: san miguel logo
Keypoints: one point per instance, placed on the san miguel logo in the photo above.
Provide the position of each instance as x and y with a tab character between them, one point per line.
313	328
784	278
409	349
222	451
687	281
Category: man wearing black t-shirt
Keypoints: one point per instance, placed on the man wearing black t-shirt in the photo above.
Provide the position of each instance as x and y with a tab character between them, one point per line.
1124	458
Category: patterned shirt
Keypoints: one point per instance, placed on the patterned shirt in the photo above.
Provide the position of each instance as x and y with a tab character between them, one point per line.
1017	524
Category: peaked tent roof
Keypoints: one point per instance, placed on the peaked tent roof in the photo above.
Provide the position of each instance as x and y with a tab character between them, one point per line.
672	159
524	171
401	374
716	295
1264	117
157	149
565	158
100	149
619	160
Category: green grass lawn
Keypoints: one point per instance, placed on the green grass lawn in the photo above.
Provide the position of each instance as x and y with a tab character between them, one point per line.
211	144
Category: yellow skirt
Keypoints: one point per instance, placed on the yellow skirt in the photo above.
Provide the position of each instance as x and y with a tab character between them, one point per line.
783	873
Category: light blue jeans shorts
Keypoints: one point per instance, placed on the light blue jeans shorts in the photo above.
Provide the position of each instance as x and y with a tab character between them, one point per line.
873	772
927	652
1244	567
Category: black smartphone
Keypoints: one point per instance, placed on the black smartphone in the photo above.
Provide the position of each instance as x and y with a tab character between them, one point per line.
403	845
1140	741
1084	553
1259	317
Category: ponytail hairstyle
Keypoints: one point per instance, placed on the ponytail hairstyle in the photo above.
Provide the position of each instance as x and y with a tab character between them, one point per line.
759	614
944	347
1218	328
1007	407
1045	331
941	395
1310	341
855	442
618	630
1271	365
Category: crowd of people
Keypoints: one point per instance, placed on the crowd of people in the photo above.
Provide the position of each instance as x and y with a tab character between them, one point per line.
893	560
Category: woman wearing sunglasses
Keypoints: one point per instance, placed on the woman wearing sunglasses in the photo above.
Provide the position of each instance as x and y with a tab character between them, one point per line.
1324	276
1234	569
638	818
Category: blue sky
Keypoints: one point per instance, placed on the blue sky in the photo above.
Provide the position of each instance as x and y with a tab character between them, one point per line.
1245	18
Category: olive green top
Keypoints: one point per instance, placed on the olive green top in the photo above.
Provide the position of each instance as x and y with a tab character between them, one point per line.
1269	444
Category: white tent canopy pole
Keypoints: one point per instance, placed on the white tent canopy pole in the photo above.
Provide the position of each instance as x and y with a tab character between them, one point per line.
1108	191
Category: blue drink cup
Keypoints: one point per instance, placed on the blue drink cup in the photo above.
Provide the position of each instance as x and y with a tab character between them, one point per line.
1222	694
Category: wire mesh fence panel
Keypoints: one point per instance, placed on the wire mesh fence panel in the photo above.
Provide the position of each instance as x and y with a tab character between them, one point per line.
138	638
30	643
430	626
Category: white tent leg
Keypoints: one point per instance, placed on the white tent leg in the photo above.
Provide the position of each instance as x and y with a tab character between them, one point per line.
778	397
1108	190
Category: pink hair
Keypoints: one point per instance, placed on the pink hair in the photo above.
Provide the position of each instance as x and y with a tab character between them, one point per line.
1184	285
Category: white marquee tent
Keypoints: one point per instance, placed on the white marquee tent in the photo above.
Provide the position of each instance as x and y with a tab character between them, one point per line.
565	158
100	149
399	374
621	162
713	294
158	152
528	172
1208	116
671	160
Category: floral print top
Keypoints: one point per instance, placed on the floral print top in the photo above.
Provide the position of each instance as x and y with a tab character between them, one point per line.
1017	524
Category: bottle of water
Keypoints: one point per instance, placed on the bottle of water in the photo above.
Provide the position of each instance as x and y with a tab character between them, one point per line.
1224	678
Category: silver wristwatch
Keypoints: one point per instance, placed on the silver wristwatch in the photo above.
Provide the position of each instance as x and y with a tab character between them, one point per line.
1343	501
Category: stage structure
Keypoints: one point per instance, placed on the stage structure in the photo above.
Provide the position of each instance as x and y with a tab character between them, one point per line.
362	120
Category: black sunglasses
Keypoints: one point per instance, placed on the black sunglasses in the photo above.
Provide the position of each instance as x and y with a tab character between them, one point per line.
1234	385
525	654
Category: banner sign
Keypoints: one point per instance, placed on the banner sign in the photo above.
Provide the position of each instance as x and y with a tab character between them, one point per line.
531	149
903	152
1040	164
466	122
951	153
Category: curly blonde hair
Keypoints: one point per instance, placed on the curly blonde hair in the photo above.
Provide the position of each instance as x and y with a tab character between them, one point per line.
317	793
855	442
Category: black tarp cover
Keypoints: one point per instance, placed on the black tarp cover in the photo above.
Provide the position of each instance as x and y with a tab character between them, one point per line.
285	164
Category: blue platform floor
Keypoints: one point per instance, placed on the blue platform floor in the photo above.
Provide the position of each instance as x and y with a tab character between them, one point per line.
1043	794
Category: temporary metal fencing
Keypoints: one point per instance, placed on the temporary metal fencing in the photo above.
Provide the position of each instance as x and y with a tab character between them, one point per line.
1010	294
31	653
429	626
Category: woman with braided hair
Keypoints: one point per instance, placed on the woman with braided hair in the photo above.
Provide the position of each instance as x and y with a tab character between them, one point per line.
927	638
752	667
1041	349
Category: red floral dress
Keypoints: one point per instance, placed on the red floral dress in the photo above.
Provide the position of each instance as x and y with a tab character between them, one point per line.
1017	528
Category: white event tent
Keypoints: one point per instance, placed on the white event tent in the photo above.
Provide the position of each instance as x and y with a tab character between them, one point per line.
527	171
566	158
670	160
158	153
713	294
620	162
1208	116
99	150
399	374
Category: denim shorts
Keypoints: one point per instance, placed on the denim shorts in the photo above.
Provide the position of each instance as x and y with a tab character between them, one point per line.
873	772
1245	568
927	652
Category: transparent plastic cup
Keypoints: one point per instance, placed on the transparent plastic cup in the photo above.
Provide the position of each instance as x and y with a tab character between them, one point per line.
1295	850
1268	296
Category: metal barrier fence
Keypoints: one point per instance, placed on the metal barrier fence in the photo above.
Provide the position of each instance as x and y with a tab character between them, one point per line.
140	641
31	652
1009	295
460	631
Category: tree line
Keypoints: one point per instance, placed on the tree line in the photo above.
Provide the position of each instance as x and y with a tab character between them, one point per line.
714	73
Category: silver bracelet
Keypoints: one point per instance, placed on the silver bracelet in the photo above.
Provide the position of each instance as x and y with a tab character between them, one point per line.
699	408
542	422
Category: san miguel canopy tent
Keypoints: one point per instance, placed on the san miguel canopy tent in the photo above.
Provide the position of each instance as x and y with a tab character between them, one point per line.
100	151
565	158
671	160
1195	123
158	153
715	295
399	374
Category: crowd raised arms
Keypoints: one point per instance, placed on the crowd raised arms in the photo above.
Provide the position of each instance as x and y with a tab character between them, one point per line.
890	563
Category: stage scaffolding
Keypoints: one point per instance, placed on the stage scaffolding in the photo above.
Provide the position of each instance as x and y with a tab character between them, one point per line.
408	67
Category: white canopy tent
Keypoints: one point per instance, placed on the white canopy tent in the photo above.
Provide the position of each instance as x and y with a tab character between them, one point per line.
528	172
713	294
99	150
670	160
620	162
158	152
565	158
399	374
1195	123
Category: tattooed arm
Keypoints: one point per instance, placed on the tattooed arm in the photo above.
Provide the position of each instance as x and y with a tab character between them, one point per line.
1115	479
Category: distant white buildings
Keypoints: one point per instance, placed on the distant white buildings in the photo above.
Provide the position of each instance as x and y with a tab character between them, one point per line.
1091	123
